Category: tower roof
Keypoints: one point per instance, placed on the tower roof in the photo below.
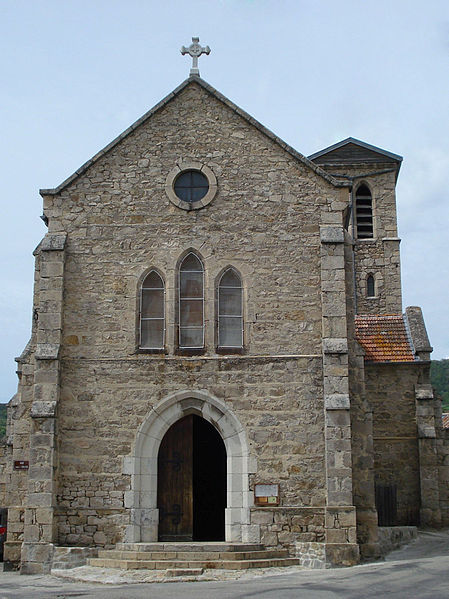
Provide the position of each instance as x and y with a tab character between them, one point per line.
353	151
360	144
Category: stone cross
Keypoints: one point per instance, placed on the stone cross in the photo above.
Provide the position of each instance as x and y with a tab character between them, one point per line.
195	51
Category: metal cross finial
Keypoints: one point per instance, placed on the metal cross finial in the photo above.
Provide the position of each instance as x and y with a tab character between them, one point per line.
195	51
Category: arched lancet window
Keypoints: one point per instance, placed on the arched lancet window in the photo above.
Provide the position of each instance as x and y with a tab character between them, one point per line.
152	312
230	310
370	286
364	212
191	303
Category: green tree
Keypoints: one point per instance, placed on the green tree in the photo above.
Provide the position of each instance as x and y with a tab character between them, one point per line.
439	376
2	419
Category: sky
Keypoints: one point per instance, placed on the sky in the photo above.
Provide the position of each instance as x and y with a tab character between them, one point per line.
76	73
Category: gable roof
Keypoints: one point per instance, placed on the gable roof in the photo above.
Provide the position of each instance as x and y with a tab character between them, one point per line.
354	150
384	338
195	79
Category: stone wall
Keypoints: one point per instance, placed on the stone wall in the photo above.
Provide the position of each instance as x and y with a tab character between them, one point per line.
277	400
66	558
3	477
18	448
361	432
443	474
442	455
394	537
391	391
285	526
18	430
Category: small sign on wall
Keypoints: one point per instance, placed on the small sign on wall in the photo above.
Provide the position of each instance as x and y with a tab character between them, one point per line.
266	494
21	465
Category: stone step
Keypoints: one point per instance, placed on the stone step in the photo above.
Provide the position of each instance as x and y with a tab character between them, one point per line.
190	546
192	555
194	564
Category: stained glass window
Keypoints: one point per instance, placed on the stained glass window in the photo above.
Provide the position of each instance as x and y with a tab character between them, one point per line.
152	312
191	302
230	310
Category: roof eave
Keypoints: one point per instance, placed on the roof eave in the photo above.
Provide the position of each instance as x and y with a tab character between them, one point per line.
400	362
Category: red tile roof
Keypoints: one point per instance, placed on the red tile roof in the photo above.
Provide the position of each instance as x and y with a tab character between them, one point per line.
446	420
384	338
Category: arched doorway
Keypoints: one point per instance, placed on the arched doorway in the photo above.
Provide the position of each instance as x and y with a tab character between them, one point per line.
191	490
141	465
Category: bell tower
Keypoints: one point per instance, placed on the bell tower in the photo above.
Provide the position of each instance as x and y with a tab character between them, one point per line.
373	221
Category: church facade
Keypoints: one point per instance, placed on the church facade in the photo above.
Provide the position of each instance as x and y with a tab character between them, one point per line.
218	350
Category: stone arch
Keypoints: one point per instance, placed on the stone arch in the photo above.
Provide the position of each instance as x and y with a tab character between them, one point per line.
141	500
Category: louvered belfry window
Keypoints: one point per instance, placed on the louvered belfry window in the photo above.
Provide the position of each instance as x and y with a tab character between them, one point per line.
152	312
191	303
364	212
230	310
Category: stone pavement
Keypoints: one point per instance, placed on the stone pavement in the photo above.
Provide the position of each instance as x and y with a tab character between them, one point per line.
418	571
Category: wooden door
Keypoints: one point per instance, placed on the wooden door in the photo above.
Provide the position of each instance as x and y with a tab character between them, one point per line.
175	482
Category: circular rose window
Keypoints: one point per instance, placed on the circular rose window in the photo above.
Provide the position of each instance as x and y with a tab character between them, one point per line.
191	185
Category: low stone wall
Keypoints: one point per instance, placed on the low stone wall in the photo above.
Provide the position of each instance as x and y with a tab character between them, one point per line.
85	527
393	537
311	555
284	526
13	545
327	555
65	558
320	537
11	553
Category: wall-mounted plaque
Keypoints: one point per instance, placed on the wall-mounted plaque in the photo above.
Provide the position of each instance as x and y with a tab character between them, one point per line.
21	464
266	494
